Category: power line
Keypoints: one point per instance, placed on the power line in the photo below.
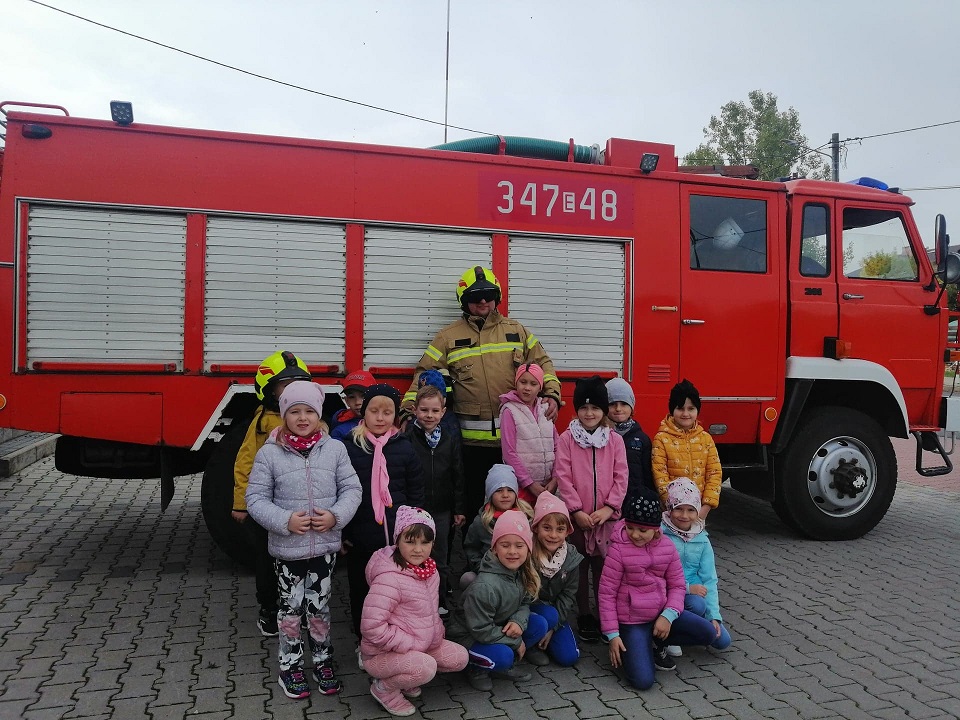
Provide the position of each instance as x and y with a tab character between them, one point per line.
898	132
934	187
258	75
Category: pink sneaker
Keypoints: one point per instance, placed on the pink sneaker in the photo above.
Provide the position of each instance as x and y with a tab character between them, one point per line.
392	701
413	692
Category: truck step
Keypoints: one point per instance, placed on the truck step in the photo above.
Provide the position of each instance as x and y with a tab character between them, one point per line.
23	449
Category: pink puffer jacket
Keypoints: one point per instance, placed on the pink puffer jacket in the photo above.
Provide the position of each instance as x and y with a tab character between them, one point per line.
400	611
639	583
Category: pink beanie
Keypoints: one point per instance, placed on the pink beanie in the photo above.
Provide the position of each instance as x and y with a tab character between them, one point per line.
302	392
549	504
407	516
531	368
513	522
682	491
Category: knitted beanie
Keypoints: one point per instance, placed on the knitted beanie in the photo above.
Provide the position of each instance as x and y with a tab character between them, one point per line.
378	390
435	378
531	368
549	504
619	390
682	391
302	392
591	391
501	476
683	491
513	522
642	510
407	516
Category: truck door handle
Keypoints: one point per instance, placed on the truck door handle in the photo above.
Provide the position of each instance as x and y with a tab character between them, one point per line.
693	322
852	296
665	308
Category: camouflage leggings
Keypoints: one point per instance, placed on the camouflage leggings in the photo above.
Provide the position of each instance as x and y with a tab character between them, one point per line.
304	590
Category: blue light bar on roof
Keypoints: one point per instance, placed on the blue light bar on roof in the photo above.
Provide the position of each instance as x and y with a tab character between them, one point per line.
869	182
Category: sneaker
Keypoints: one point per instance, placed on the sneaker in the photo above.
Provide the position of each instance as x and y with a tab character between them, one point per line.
392	701
327	682
536	656
662	660
267	625
674	650
294	684
517	674
359	658
413	693
479	679
588	629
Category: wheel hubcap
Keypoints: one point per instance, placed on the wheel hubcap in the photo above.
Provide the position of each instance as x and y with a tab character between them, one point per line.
841	477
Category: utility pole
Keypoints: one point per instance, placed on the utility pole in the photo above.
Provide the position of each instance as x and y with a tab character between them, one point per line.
835	155
446	84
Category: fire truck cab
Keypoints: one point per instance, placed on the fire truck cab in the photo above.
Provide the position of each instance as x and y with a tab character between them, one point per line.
146	270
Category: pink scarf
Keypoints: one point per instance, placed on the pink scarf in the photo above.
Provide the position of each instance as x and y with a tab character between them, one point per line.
380	479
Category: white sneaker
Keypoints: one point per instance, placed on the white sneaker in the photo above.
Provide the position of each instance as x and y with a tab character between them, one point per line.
674	650
359	658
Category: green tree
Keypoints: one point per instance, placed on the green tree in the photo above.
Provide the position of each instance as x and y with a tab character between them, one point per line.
757	133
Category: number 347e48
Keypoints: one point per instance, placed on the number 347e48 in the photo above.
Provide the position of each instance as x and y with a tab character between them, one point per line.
565	202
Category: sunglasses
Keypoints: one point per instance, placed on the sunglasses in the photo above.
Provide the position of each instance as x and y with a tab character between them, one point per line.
485	296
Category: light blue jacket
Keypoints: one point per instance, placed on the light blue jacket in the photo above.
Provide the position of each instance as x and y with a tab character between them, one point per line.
699	566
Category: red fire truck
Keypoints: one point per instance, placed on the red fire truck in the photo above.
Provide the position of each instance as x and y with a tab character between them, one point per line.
145	271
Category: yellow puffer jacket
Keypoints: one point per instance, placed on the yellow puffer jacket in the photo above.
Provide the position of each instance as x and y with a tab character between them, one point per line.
252	442
482	360
687	453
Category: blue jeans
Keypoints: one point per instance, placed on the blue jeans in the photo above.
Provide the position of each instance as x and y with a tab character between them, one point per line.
687	629
698	606
562	647
497	656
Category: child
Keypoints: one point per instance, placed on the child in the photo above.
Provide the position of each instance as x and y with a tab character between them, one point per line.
403	643
684	449
273	375
556	561
591	470
303	490
439	381
527	438
495	622
502	495
441	457
390	475
682	524
637	442
641	596
354	386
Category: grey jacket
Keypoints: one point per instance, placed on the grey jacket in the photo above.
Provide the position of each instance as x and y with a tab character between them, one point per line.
283	482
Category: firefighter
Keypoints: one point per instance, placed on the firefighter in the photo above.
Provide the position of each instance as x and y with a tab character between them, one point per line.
481	352
274	374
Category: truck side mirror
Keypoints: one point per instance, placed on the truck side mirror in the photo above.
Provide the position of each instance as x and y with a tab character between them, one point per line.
951	269
941	242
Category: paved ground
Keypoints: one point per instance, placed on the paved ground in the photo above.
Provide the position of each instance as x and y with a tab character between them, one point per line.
110	609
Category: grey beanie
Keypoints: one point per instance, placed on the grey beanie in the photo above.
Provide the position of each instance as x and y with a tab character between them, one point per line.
501	476
619	390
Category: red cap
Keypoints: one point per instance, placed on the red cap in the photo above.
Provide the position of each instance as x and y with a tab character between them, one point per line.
361	379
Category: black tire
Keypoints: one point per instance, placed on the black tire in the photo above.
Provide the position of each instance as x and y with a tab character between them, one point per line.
820	491
216	496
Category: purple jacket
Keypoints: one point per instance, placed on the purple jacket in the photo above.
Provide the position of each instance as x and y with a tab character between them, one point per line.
400	611
639	583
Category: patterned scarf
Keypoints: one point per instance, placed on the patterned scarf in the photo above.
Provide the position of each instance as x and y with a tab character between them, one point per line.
598	438
433	438
685	535
380	479
626	426
552	566
424	570
300	444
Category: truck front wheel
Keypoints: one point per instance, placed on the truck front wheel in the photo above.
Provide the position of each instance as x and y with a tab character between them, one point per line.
838	476
216	496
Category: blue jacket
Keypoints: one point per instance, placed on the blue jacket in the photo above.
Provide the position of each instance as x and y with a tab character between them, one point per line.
699	566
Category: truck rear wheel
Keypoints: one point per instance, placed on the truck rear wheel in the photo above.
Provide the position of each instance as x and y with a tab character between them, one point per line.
838	476
216	496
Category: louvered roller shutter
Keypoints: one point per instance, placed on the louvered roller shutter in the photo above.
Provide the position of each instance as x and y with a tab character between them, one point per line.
410	289
570	294
105	286
274	285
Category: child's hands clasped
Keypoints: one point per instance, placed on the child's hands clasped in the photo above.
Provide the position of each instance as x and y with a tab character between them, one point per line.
616	647
700	590
322	520
583	521
512	630
599	517
298	523
661	628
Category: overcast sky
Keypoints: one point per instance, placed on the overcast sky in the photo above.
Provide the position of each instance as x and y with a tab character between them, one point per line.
552	68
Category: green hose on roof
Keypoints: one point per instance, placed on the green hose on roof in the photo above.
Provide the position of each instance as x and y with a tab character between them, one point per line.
524	147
